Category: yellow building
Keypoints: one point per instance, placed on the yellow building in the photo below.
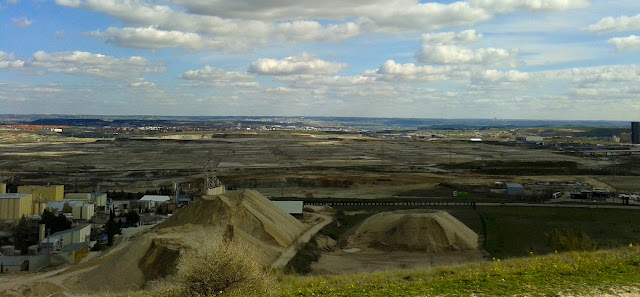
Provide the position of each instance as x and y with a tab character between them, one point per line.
3	188
44	193
13	206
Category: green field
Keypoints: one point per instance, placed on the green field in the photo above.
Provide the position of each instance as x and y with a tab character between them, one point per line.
623	183
516	231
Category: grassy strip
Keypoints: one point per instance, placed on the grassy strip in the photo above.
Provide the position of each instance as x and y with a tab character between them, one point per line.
565	274
552	275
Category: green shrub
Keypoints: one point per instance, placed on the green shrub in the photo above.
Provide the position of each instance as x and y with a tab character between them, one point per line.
570	240
221	268
301	262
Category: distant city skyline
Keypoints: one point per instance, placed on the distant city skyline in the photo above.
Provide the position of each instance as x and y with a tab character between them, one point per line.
505	59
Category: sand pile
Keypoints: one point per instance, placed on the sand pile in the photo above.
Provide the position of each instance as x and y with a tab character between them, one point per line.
413	230
245	216
247	211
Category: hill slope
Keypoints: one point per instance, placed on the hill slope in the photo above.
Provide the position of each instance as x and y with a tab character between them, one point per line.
600	273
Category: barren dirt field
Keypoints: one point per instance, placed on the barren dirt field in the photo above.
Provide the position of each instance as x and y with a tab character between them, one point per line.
305	165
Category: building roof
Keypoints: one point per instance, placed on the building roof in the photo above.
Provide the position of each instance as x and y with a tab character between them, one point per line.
58	205
156	198
68	231
291	207
13	260
514	186
13	195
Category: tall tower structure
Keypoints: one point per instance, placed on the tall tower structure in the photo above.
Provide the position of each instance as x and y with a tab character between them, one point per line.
635	132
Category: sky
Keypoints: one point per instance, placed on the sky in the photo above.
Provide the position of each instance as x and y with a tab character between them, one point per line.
504	59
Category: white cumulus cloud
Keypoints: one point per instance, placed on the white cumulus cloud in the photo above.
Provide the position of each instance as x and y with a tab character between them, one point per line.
493	76
629	43
467	36
304	64
152	38
506	6
89	64
453	54
9	61
619	24
208	73
256	22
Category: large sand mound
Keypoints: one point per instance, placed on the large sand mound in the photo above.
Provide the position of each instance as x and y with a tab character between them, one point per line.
247	210
245	216
413	230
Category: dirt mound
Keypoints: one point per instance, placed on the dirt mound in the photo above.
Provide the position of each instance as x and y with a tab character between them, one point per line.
413	230
246	210
243	216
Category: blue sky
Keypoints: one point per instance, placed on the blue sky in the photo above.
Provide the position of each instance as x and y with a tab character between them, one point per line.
528	59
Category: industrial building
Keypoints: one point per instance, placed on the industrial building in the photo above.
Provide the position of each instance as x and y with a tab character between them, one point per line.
83	211
59	240
635	132
13	206
99	199
530	139
44	193
515	189
151	201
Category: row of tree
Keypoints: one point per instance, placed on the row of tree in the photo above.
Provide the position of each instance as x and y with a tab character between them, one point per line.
122	195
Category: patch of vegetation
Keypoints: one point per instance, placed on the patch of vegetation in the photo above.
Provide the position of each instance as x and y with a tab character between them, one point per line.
301	263
570	240
561	274
342	223
220	269
518	231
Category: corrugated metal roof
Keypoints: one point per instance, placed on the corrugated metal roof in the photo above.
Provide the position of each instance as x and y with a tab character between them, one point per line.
291	207
156	198
13	260
13	195
69	230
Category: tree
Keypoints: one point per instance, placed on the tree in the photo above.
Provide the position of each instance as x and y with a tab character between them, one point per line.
23	236
132	218
55	223
112	227
67	208
61	223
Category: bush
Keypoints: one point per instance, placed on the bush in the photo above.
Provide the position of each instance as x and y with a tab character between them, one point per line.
218	269
301	262
570	240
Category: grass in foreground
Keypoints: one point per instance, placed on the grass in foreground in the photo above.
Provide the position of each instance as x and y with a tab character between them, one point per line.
575	273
